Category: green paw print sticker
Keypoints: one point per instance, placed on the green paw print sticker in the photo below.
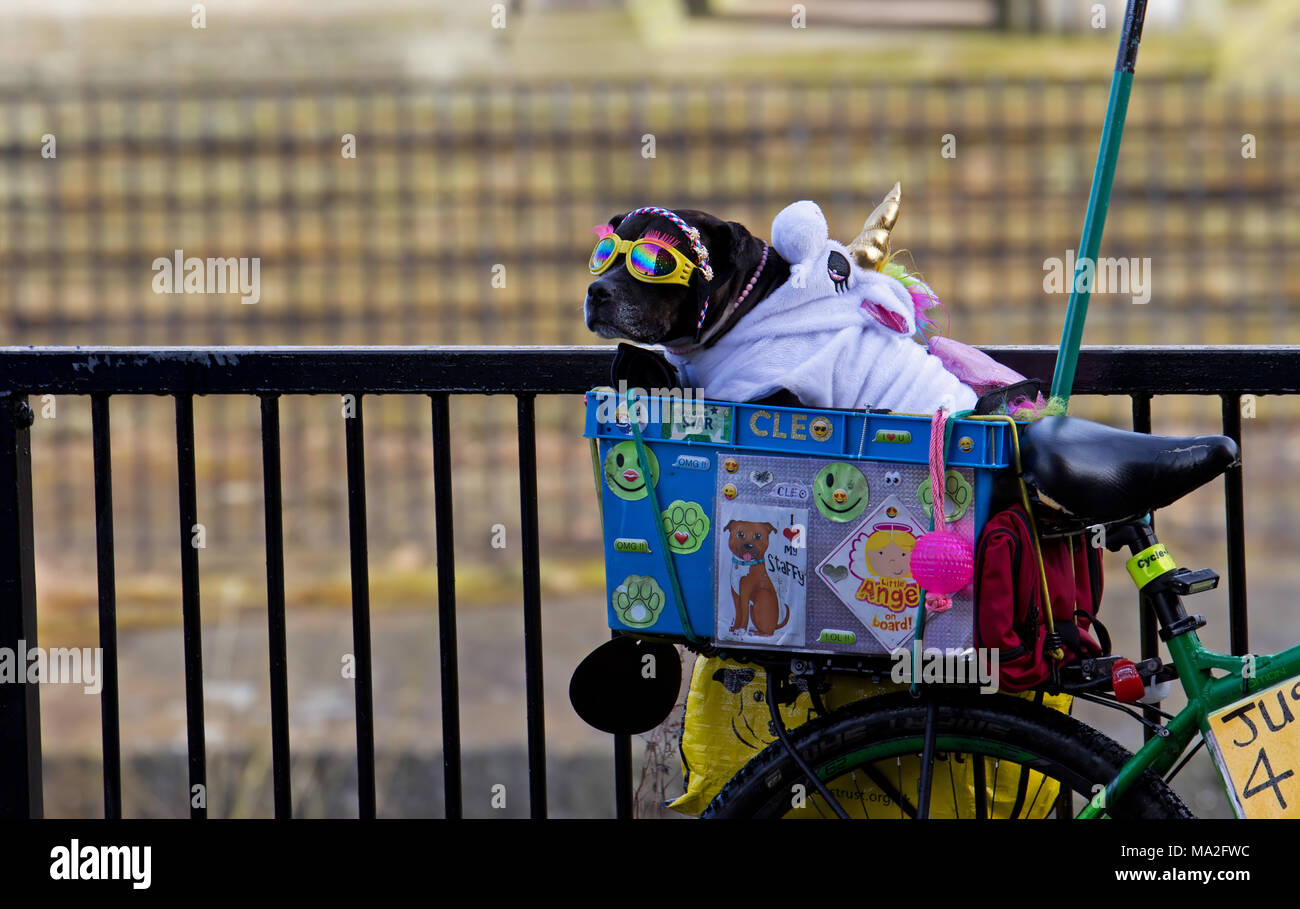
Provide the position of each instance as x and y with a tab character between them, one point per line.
957	495
623	471
685	526
638	601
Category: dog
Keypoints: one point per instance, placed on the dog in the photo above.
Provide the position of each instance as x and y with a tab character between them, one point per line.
803	321
752	590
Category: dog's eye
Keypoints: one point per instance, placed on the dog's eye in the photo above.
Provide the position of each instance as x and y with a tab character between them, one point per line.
838	268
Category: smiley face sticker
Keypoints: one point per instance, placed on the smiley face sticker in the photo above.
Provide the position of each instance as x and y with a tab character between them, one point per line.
731	465
820	429
623	473
729	491
840	491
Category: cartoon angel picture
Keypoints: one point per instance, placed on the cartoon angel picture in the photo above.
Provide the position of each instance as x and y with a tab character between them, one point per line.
888	550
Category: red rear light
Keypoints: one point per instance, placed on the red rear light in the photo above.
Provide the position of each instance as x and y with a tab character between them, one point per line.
1127	683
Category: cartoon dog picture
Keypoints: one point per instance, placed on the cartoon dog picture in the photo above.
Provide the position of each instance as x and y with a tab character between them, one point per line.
752	590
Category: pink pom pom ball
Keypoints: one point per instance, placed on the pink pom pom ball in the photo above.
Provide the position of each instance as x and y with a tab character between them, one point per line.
942	562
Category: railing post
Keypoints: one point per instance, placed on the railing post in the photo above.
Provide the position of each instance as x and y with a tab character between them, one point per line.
1235	512
534	692
1147	631
20	706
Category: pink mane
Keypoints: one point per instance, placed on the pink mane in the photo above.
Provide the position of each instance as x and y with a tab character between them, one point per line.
923	299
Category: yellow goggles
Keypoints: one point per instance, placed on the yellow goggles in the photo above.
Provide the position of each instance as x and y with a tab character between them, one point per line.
650	260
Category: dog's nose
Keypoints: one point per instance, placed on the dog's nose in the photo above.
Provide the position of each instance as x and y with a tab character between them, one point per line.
597	296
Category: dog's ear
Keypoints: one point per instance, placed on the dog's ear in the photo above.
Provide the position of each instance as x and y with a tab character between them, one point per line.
770	528
615	221
728	527
726	242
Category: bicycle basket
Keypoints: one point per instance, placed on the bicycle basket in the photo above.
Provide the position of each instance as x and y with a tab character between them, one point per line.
789	528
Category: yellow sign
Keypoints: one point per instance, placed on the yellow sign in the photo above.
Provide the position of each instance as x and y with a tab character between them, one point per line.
1256	743
1149	564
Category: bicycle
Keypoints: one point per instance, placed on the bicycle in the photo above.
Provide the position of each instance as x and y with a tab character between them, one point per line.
856	745
845	749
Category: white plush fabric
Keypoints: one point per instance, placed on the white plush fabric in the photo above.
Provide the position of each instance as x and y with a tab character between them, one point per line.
849	347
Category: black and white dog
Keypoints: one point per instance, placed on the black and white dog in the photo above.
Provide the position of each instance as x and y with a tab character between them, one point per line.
804	321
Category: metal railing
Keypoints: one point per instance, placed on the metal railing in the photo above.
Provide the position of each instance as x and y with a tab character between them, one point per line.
456	180
269	373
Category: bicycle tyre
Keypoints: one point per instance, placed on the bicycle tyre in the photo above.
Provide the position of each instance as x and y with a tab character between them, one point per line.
864	732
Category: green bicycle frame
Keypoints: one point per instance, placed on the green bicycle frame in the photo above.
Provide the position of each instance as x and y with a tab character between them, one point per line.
1206	694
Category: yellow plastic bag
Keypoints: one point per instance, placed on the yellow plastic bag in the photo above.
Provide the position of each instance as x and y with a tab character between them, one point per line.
727	724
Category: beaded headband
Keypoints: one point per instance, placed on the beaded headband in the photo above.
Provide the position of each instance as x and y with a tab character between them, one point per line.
692	234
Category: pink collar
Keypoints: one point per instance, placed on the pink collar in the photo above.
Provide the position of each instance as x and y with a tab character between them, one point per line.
692	346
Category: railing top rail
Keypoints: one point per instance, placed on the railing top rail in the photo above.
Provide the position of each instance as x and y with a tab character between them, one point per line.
127	88
562	370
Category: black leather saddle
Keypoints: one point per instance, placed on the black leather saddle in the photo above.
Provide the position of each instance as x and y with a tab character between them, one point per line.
1098	474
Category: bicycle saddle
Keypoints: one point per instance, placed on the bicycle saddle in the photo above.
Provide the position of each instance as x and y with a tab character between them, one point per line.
1106	474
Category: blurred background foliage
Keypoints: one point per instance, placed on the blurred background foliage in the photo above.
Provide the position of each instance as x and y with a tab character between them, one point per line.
480	146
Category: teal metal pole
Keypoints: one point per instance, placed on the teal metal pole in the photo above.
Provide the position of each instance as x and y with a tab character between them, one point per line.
1067	358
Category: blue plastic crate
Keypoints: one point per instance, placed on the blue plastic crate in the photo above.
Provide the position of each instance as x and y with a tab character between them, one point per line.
837	498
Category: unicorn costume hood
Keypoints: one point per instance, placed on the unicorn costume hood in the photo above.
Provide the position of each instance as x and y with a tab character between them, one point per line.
838	333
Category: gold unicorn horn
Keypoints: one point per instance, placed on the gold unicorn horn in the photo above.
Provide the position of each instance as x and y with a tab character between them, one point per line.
871	247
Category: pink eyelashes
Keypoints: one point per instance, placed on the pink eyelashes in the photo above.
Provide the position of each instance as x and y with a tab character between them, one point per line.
661	237
692	234
602	230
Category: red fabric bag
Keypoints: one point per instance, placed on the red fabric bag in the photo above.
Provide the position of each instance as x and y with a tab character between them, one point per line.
1009	605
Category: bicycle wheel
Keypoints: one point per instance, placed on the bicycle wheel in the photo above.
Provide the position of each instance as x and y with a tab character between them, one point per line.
859	748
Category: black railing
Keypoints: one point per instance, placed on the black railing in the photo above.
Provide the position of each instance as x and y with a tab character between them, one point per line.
268	373
454	180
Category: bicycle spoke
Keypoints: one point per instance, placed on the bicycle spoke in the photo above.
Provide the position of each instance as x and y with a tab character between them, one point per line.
925	780
899	763
952	779
1022	786
862	745
862	796
997	768
1042	778
815	804
981	793
1065	805
888	788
